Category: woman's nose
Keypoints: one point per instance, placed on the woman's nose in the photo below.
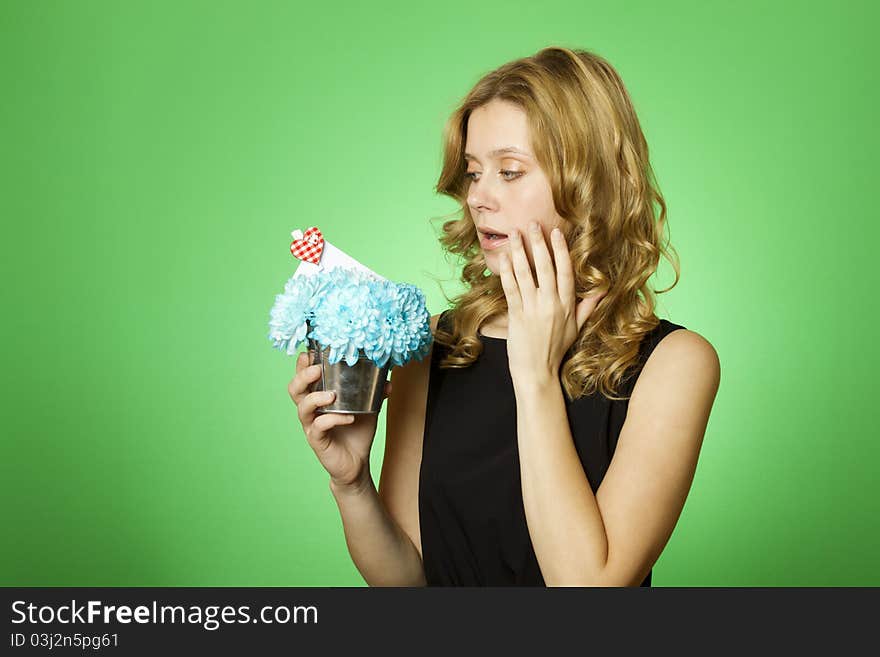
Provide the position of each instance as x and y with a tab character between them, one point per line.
479	201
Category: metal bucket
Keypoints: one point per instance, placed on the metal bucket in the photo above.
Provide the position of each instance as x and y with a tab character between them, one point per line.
359	388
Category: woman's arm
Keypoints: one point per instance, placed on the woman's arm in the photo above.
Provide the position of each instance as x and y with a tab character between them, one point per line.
614	537
382	528
381	551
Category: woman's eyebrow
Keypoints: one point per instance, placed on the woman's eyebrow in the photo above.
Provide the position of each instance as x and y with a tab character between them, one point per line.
498	151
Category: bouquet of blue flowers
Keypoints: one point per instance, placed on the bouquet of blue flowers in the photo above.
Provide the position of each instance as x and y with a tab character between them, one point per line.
355	315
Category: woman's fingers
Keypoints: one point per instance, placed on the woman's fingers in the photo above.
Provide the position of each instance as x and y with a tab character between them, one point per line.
564	271
299	385
508	284
521	268
310	402
543	260
318	434
303	361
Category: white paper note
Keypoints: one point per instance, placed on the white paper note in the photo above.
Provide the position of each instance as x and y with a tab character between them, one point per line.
331	257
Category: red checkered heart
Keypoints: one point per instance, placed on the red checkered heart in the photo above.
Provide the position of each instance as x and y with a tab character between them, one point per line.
310	247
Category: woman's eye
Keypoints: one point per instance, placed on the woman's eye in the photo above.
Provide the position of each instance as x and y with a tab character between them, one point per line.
508	175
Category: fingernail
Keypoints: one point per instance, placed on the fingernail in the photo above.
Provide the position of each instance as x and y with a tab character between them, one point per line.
329	394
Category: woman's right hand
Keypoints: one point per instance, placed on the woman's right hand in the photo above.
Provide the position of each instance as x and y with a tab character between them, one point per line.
341	441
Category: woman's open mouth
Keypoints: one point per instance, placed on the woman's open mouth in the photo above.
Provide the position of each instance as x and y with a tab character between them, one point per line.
489	241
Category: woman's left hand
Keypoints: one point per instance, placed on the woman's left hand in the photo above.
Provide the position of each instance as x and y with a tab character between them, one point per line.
543	321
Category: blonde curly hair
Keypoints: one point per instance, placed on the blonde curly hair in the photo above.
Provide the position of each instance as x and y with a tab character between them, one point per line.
587	139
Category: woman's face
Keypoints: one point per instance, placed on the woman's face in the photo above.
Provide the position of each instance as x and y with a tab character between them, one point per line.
506	190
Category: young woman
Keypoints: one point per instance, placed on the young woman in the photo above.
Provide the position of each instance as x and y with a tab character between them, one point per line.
552	436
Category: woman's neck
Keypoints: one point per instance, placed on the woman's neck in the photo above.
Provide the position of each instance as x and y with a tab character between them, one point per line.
495	328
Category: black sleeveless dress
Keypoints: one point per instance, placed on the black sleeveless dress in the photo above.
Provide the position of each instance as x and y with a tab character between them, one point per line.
471	513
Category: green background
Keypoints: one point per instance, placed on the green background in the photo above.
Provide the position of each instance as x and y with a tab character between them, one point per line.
158	154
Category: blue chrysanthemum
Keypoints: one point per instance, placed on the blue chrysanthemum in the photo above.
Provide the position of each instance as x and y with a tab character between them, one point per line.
341	318
406	331
287	318
355	314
